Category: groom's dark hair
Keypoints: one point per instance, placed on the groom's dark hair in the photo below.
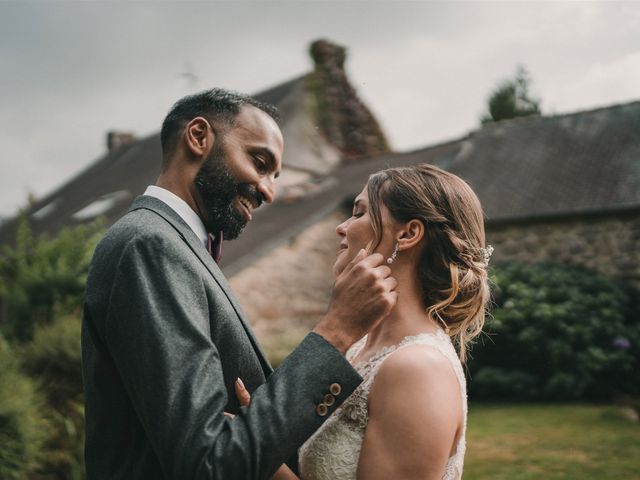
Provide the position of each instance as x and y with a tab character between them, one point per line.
219	106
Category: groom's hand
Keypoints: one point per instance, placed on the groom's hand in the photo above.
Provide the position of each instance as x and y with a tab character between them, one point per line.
363	294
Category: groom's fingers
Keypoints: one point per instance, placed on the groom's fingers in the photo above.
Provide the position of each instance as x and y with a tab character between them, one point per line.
390	284
244	397
362	253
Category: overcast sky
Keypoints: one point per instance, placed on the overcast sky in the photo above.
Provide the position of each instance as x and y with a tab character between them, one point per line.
70	71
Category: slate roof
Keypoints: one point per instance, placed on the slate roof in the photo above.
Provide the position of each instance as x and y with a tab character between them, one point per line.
585	162
522	169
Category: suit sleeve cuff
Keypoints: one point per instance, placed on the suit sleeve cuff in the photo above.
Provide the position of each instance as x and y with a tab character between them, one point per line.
331	378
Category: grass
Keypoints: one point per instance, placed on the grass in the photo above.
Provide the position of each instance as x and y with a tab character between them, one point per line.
551	442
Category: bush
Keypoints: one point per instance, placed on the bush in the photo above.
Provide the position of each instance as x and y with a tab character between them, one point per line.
42	285
21	426
557	333
41	276
53	358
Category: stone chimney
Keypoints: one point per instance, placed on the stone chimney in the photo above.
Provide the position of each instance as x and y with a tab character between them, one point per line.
117	139
343	118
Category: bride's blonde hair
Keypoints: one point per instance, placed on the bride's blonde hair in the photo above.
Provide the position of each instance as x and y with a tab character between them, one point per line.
452	268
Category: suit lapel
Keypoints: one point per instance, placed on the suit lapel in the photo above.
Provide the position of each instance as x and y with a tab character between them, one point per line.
168	214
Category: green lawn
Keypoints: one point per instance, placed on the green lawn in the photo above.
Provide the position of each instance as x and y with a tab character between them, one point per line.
551	442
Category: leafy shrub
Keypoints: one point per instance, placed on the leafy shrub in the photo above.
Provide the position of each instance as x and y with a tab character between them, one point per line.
557	333
21	426
40	276
41	290
53	358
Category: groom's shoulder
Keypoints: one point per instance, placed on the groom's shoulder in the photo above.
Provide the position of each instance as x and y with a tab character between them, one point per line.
139	228
133	225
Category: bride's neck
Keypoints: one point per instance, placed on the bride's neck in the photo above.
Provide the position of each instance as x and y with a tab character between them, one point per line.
408	316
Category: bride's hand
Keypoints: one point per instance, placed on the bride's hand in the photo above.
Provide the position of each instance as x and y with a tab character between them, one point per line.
244	397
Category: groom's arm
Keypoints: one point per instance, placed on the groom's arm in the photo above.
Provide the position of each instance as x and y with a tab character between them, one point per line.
157	331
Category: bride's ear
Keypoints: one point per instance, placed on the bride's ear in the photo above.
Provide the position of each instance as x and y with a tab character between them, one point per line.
410	235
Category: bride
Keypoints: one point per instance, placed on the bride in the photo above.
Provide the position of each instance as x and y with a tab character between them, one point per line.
408	417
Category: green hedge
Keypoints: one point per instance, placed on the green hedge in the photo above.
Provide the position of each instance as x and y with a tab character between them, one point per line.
41	277
41	405
22	427
557	333
53	358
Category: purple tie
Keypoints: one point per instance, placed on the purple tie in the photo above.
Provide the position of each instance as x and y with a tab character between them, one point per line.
214	245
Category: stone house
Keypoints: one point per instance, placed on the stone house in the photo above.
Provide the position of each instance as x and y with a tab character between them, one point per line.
563	188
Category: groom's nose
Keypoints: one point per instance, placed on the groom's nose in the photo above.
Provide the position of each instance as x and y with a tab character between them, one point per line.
267	188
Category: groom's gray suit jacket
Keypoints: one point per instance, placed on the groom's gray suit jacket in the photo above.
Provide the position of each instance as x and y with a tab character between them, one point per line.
163	341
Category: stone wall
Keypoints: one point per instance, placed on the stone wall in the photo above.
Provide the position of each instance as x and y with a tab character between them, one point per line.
609	244
287	291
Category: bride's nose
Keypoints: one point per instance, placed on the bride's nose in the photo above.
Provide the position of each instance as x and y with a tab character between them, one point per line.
342	228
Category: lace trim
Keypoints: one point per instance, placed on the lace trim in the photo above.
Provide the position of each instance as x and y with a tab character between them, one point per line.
384	351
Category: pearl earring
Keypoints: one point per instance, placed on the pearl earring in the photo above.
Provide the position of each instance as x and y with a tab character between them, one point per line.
393	256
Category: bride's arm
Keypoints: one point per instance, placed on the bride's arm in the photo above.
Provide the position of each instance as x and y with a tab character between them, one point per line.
415	414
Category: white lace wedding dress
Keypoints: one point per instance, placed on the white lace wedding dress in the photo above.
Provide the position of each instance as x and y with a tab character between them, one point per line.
332	452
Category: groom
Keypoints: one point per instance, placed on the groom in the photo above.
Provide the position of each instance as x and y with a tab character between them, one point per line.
164	339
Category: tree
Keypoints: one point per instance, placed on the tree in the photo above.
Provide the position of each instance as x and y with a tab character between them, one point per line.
512	99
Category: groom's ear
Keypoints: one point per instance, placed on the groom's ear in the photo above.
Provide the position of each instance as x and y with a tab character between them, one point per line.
410	235
199	137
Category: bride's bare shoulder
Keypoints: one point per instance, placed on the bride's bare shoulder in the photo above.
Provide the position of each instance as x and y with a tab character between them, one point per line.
417	370
416	361
414	414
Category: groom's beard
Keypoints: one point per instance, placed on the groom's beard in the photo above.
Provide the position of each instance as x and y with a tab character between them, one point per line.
218	192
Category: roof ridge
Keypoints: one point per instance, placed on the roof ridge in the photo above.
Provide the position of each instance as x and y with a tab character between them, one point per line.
278	86
559	115
443	143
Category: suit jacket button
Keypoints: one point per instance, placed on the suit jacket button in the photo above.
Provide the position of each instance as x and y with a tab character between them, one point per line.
329	400
322	409
335	389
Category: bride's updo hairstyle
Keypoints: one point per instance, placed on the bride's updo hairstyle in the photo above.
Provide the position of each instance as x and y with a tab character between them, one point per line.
452	268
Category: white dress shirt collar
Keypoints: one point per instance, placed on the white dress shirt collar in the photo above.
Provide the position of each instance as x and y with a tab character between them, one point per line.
182	208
